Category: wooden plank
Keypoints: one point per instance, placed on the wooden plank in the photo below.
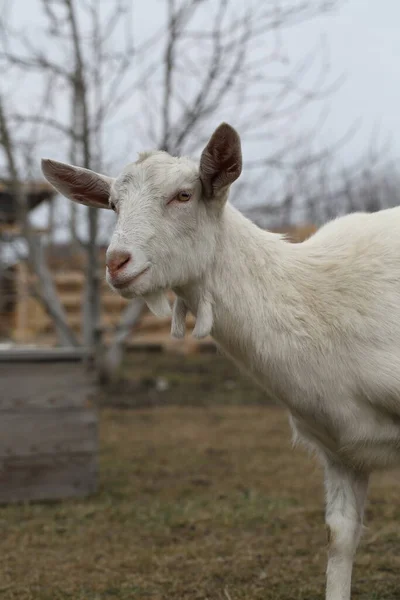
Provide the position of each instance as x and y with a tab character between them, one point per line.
52	386
15	229
43	354
47	432
47	477
49	400
69	277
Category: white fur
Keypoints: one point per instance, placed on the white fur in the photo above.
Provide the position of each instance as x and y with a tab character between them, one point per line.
178	323
204	320
316	323
158	304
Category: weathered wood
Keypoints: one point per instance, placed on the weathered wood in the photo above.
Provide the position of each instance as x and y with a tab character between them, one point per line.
65	353
51	386
47	477
49	400
47	432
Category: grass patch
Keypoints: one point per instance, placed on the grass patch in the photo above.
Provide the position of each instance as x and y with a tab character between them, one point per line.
153	379
194	503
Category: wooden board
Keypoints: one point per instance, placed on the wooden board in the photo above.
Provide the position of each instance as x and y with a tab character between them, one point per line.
44	477
48	431
30	433
28	385
21	354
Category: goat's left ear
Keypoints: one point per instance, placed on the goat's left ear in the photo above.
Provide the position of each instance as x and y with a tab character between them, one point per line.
221	161
78	184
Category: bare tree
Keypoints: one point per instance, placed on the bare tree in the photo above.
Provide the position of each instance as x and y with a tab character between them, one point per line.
46	290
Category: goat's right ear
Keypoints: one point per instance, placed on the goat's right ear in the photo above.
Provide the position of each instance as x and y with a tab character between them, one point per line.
78	184
221	161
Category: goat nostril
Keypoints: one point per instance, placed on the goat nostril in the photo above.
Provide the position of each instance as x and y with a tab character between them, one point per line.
117	261
124	262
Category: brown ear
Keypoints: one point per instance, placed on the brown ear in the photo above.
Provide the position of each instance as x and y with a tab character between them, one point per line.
221	160
78	184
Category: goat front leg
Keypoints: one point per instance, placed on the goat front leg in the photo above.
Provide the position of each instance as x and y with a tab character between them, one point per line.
346	492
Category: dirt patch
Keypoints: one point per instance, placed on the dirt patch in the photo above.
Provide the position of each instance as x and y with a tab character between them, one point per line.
195	504
164	379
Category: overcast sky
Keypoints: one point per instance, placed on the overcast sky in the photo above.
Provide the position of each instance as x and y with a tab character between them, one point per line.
364	41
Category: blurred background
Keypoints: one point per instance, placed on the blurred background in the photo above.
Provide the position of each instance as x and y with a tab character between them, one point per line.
191	494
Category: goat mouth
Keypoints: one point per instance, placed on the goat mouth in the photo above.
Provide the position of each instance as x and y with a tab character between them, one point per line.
129	280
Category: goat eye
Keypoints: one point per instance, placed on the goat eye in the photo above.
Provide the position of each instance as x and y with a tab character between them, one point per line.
112	206
183	196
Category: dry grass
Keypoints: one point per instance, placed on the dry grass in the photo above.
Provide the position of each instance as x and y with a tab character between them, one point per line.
194	503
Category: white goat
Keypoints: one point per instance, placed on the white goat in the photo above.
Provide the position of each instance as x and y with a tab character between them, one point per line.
316	323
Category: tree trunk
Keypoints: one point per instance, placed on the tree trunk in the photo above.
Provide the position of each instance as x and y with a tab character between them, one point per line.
46	289
112	359
91	309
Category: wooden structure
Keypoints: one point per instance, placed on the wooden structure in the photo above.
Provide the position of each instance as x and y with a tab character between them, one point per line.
48	428
36	192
